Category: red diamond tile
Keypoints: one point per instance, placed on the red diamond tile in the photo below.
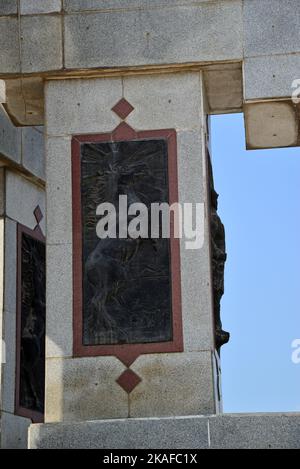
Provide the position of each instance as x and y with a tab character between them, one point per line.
123	108
128	380
123	131
38	214
127	357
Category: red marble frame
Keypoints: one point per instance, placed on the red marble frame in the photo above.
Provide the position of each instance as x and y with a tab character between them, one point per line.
127	353
37	234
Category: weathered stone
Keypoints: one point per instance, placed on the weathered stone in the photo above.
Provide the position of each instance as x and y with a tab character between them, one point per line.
33	152
41	43
22	197
166	378
10	138
59	191
175	433
8	7
271	76
79	5
235	431
271	27
31	7
271	125
164	101
195	270
10	291
8	378
9	47
59	339
256	431
84	389
14	430
2	92
201	33
82	106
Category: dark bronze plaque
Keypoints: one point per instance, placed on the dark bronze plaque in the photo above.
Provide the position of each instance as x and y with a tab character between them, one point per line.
32	333
126	282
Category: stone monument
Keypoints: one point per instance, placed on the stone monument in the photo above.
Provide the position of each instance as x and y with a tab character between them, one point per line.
102	100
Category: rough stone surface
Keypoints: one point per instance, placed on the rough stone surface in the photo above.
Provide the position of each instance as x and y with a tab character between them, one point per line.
79	5
33	153
41	43
59	191
8	7
30	7
272	76
235	431
9	57
224	88
25	100
59	339
173	384
271	125
82	106
164	101
2	92
8	368
14	431
10	266
271	27
175	433
10	138
22	197
2	197
205	32
195	270
84	389
256	431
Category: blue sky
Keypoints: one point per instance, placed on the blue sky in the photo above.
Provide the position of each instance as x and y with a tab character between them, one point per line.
260	207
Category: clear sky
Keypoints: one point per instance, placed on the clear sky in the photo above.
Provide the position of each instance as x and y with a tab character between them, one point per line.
259	204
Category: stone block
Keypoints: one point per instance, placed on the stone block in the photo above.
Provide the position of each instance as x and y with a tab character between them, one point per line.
2	197
271	77
175	433
41	43
173	384
8	7
231	431
271	125
8	378
14	431
84	389
33	154
59	339
195	264
82	106
9	57
59	190
32	7
271	27
10	138
255	431
164	101
204	32
10	266
81	5
224	88
22	197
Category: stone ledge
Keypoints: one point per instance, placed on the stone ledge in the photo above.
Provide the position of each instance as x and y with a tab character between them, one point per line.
249	431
